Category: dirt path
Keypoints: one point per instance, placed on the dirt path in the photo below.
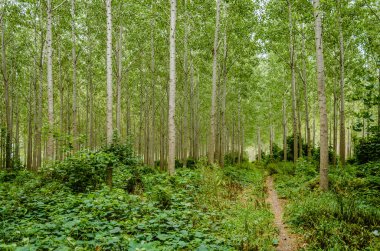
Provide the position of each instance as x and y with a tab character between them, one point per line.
286	242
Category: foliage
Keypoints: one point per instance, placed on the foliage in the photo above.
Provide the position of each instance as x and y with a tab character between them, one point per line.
123	152
87	170
232	158
368	149
290	148
196	209
83	171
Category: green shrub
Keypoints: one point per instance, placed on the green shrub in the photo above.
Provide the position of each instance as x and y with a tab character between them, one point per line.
233	158
304	167
123	152
83	171
272	168
368	149
163	196
316	154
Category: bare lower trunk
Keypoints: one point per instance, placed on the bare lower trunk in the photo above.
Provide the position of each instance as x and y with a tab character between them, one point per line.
294	100
284	123
378	105
91	140
335	128
29	155
242	142
223	103
75	115
313	130
211	143
342	111
119	78
196	122
8	140
109	73
38	94
109	176
50	142
271	141
153	87
17	133
258	145
172	89
186	90
324	161
162	139
192	112
307	123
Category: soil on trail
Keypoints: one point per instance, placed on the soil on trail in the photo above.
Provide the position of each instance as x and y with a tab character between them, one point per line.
287	241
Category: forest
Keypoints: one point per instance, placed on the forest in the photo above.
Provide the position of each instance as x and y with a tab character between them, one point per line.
190	125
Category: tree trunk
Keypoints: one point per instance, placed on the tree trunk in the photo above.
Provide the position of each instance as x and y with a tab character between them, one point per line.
119	78
74	59
29	150
300	141
196	124
192	111
162	139
172	89
153	97
109	73
91	140
271	141
8	140
38	94
239	130
378	105
314	130
335	128
304	77
50	142
242	142
185	89
258	145
342	143
211	143
223	102
294	102
17	133
324	160
284	123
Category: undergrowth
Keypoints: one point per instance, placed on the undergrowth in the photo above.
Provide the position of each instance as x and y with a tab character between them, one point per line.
345	218
199	209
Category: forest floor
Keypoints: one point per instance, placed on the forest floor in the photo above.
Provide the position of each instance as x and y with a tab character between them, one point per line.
287	241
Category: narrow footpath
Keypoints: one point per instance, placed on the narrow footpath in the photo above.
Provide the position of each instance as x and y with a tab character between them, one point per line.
286	242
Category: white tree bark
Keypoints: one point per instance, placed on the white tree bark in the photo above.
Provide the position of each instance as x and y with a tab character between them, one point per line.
185	89
304	76
109	73
172	87
322	97
258	145
284	123
211	142
294	100
50	143
342	143
119	78
75	116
